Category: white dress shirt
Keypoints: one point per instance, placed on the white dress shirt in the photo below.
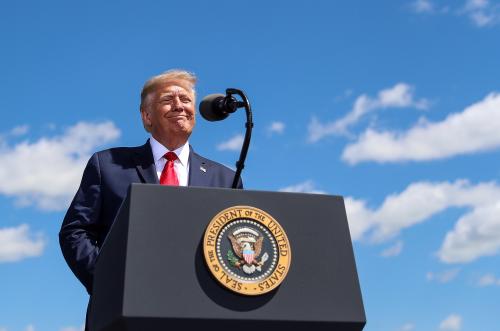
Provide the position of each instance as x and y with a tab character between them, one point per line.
181	165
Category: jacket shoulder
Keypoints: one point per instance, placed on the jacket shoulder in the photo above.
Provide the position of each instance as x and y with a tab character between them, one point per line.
118	154
119	151
212	164
220	175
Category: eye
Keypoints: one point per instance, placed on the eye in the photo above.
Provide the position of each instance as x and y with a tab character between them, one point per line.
166	100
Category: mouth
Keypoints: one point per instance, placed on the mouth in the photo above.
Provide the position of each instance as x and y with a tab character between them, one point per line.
177	117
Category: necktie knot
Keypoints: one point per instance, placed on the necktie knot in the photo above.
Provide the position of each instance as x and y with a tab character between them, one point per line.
171	156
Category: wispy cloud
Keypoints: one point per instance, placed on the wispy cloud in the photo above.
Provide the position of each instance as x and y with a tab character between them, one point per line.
17	243
393	250
475	234
345	94
307	186
423	6
488	280
30	327
233	144
400	95
443	277
482	13
20	130
451	323
407	327
46	173
15	132
471	131
276	128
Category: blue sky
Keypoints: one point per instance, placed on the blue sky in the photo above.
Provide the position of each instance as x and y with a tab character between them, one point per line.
394	105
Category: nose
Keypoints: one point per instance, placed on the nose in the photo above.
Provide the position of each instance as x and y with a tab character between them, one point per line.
177	104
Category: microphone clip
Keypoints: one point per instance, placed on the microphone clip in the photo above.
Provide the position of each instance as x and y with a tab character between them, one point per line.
229	104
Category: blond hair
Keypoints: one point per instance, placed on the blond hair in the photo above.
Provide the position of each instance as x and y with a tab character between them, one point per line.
184	78
173	75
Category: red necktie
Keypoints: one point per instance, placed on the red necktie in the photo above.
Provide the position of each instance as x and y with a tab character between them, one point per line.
168	175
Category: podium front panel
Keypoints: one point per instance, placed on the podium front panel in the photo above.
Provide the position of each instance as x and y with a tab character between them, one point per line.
166	283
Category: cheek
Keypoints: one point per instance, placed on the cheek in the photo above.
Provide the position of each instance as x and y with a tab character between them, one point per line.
163	109
192	111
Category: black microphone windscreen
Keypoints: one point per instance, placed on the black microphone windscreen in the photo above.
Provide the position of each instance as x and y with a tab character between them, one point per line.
209	107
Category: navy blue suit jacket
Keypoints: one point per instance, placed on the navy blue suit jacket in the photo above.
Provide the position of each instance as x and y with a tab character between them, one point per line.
104	186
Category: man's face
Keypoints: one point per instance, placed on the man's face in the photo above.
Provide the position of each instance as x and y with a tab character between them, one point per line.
170	113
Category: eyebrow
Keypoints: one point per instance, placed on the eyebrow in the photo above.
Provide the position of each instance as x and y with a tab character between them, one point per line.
181	93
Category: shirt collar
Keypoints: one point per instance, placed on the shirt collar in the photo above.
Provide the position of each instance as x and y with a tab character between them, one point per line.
159	151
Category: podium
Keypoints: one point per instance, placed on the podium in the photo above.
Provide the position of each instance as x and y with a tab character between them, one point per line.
151	272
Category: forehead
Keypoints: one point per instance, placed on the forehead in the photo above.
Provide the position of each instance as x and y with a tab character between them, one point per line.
174	87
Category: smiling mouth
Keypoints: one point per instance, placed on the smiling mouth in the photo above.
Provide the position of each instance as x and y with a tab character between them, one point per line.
177	117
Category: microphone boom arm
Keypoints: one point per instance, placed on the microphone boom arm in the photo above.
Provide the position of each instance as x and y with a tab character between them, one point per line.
240	164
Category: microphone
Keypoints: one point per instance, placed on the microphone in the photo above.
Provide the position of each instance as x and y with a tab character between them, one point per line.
216	107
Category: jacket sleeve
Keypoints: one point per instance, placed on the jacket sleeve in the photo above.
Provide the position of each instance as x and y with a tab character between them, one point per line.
81	226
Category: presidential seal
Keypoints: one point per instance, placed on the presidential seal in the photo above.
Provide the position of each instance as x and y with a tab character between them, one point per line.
246	250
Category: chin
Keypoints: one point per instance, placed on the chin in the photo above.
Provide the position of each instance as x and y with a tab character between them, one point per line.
183	130
185	127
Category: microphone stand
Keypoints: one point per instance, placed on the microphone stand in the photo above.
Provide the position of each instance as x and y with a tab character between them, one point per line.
240	164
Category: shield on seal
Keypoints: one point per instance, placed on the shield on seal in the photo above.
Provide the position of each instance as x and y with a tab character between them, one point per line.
248	255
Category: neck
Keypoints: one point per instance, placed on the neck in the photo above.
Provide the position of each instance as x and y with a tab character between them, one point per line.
172	143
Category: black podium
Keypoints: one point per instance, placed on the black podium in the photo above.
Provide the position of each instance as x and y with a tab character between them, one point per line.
151	273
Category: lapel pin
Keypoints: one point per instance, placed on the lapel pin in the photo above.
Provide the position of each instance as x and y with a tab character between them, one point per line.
203	169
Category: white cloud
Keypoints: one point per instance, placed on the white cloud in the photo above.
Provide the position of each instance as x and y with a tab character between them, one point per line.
304	187
471	131
46	173
451	323
398	96
233	144
476	234
393	250
407	327
276	127
18	243
30	327
423	6
443	277
360	217
3	329
488	280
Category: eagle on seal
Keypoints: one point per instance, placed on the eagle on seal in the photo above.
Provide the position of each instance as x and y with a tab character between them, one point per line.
246	247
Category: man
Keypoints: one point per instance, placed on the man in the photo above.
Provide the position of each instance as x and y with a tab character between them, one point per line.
168	114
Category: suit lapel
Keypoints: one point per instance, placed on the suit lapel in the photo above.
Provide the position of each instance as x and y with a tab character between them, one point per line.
199	171
145	165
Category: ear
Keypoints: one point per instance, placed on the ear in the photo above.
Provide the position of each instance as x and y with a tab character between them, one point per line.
146	117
